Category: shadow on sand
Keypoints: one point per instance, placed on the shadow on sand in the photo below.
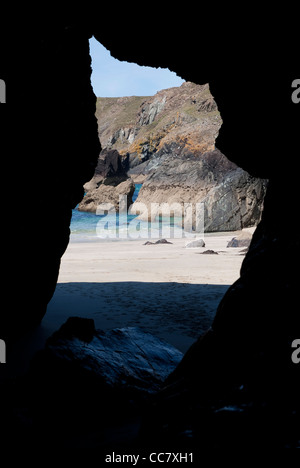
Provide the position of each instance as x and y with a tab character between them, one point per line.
176	312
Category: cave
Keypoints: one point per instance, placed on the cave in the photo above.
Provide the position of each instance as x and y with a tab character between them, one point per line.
50	147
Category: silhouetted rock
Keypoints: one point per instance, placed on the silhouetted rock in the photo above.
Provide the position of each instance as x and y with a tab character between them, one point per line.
209	252
121	359
86	380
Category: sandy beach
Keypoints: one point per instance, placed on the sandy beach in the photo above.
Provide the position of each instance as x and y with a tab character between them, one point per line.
166	289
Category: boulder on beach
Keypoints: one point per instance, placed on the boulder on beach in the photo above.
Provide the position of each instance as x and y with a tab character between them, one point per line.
159	241
195	243
85	380
241	240
122	359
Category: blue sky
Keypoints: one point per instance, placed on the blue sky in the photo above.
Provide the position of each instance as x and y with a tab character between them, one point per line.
113	78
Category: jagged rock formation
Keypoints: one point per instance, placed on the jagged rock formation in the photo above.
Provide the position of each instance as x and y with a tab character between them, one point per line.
110	170
96	381
185	116
231	198
168	141
108	198
124	360
110	182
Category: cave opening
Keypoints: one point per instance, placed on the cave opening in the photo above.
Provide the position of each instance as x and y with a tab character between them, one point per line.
238	384
147	122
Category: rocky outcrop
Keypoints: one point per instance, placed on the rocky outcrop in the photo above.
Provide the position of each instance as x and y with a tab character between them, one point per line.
97	381
110	170
124	360
140	126
235	203
108	196
110	182
231	198
168	142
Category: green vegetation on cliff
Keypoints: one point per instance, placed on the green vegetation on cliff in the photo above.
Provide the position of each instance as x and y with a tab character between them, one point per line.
138	124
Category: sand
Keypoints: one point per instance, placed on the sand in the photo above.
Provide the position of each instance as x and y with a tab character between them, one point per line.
166	289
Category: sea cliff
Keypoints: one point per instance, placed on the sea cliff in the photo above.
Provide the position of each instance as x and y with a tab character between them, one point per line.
167	142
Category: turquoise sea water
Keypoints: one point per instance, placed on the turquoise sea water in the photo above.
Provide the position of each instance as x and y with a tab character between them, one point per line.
111	227
84	225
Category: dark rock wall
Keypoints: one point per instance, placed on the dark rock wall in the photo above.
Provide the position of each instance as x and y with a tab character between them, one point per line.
51	150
